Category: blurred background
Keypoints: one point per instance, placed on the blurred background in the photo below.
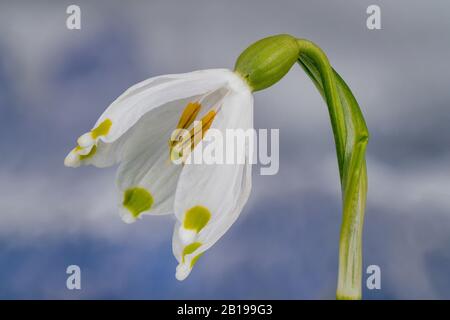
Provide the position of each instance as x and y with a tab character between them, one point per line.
55	82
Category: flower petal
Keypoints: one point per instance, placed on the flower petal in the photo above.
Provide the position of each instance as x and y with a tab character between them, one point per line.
152	171
210	197
110	134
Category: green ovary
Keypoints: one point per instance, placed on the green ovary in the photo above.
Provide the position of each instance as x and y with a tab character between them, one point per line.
196	218
137	200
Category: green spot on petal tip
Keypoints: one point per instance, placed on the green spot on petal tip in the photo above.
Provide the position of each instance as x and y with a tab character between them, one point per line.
137	200
191	248
196	218
195	259
90	154
102	129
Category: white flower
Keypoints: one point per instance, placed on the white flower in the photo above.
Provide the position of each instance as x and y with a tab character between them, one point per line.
134	131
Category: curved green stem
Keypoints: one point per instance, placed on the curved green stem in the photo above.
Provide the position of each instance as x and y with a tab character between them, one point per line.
351	137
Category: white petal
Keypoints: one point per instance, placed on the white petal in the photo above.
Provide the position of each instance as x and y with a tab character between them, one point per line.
136	102
139	99
153	171
221	189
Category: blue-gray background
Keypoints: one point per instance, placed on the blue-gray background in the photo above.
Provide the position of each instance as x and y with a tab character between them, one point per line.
54	83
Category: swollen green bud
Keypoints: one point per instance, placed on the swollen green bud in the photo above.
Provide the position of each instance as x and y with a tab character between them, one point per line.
266	61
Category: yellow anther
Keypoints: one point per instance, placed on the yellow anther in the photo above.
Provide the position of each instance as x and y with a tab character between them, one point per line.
181	140
207	121
198	132
187	118
189	114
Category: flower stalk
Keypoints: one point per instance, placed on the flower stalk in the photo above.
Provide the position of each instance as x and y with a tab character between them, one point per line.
351	136
265	63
